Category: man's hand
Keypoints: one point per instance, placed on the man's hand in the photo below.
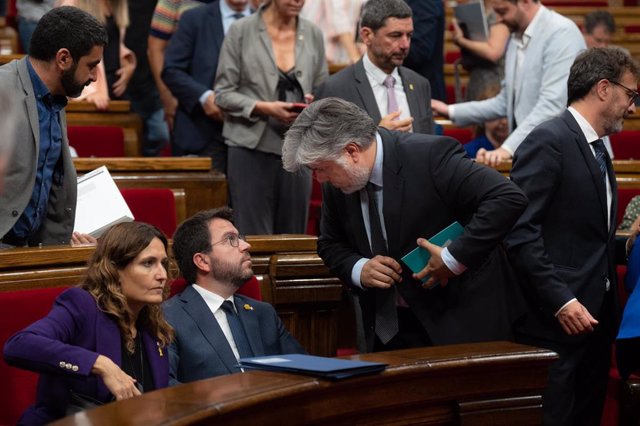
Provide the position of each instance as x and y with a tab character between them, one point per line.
78	239
170	105
392	122
381	272
212	110
575	319
119	383
440	108
436	268
492	158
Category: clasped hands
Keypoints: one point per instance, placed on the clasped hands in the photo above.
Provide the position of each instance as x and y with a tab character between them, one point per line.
384	271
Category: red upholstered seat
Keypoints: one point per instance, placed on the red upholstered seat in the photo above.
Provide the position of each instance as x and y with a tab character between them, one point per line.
19	309
462	135
250	289
155	206
626	145
97	141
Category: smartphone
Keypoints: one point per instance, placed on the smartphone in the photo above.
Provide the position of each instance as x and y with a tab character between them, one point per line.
297	107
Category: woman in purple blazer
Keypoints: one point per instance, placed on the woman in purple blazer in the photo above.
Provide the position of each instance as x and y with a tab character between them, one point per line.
106	339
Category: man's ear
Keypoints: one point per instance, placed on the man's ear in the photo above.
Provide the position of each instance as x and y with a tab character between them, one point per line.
602	89
366	34
353	150
64	61
202	262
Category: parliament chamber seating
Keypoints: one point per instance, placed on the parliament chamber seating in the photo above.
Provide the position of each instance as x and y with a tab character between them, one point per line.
97	141
626	145
156	206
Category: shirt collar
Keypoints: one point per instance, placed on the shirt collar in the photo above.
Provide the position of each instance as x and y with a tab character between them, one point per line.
587	129
212	300
376	173
531	29
227	12
375	73
41	91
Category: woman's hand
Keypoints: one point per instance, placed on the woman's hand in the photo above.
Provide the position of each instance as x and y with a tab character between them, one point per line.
119	383
100	100
277	109
457	33
125	72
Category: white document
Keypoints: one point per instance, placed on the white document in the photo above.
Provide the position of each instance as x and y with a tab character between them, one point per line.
100	203
472	20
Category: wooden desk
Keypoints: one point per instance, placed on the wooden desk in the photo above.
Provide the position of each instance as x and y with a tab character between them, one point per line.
204	188
496	383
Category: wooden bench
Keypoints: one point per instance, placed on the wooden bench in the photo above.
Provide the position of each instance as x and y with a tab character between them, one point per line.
497	383
204	188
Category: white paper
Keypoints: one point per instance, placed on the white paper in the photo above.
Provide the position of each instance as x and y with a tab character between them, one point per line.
100	204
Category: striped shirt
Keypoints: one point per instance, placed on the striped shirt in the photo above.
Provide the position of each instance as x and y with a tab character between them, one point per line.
166	16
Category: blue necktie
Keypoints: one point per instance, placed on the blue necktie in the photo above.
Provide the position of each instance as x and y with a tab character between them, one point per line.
237	330
601	156
386	312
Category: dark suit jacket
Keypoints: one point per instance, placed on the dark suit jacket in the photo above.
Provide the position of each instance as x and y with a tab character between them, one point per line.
561	246
57	225
190	65
201	350
428	183
426	55
64	345
352	84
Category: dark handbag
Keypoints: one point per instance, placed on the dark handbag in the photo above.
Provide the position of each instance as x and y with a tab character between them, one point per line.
81	402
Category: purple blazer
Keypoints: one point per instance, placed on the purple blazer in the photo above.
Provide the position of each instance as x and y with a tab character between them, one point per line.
64	345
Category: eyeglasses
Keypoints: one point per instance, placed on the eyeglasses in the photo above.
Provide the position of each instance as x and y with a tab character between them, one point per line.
632	94
232	239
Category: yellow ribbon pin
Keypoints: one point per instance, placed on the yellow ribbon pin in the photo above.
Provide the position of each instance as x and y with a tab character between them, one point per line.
248	307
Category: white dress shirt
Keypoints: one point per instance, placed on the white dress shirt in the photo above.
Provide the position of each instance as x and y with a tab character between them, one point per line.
376	79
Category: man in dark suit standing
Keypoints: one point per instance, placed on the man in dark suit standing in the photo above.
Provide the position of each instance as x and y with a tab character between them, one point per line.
190	64
426	56
214	326
563	244
394	96
387	190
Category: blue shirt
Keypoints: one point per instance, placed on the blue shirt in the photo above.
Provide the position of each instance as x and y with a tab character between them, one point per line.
473	146
49	170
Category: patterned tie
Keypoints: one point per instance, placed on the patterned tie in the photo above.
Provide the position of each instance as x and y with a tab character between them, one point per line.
237	330
386	312
392	102
601	156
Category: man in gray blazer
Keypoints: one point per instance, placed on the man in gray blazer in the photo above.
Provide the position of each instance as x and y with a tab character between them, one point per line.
394	96
39	200
540	52
214	326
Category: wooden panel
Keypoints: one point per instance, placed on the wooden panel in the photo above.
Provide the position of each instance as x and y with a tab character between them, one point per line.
420	386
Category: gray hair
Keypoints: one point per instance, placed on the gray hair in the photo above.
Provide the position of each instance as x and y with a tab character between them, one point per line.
323	130
376	12
596	64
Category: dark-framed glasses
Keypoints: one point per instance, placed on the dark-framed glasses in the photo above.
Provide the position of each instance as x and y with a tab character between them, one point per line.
232	239
632	94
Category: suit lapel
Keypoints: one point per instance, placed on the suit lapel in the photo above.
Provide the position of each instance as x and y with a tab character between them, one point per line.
30	101
217	29
266	41
591	163
251	324
366	93
158	360
109	344
198	310
393	186
409	91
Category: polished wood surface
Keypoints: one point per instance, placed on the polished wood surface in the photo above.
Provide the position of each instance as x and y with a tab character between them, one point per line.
203	187
497	383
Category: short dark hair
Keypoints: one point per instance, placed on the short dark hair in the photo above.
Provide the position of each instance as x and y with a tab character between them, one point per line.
597	18
193	236
596	64
376	12
69	28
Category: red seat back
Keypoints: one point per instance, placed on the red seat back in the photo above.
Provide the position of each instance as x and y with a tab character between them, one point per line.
626	145
462	135
20	309
97	141
156	206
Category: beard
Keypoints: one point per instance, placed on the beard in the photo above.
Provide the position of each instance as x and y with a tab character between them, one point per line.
358	177
72	87
226	272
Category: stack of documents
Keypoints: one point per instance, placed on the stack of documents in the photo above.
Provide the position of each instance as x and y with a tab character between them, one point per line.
327	368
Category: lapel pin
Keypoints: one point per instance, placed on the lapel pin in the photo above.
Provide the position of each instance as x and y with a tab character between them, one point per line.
248	307
410	86
160	349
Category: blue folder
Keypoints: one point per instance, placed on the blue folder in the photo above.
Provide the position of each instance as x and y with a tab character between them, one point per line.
328	368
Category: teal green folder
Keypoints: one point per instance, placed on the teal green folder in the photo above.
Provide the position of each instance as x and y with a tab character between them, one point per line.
418	258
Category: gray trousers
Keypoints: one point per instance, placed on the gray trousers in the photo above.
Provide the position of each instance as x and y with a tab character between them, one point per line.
265	198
